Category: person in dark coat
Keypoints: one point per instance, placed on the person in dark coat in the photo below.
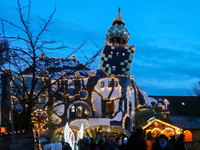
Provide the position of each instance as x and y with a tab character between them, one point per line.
86	144
172	140
112	144
137	140
180	145
163	144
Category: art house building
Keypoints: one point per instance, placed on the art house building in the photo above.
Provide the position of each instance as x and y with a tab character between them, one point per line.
104	100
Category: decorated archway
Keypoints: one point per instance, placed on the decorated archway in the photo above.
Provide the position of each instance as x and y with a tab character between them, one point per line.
80	109
128	124
158	127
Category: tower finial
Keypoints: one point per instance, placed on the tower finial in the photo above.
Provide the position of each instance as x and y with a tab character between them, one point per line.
119	9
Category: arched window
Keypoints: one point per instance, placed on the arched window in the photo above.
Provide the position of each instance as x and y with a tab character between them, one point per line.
188	135
168	132
79	111
128	124
109	107
156	132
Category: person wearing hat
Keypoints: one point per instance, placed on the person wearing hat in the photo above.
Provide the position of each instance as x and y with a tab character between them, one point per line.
163	144
180	145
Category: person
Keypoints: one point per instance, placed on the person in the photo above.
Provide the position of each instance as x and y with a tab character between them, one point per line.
100	144
172	140
112	144
66	146
93	146
120	140
123	146
179	144
137	140
86	144
163	144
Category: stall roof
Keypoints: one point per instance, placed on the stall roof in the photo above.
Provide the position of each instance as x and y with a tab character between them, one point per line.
160	121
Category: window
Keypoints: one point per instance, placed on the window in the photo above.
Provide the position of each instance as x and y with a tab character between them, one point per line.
86	112
123	54
116	83
71	92
109	107
111	52
113	68
73	109
102	84
79	110
83	94
117	54
109	83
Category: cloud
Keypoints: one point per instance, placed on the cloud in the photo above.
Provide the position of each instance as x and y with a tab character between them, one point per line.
165	69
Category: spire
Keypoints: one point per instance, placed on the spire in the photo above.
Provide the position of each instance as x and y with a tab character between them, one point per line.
117	33
118	19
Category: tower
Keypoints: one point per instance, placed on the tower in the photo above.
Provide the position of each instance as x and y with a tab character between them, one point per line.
117	56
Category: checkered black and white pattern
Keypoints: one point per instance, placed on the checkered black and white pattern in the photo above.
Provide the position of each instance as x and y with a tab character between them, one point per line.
116	60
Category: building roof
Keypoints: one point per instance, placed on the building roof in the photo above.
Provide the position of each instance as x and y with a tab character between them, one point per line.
183	105
186	122
58	66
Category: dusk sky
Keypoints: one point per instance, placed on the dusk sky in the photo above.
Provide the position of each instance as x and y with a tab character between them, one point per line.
166	34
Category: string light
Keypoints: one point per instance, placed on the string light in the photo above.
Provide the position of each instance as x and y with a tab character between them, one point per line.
81	120
39	118
176	129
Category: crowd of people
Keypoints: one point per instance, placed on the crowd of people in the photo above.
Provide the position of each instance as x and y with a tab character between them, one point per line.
136	141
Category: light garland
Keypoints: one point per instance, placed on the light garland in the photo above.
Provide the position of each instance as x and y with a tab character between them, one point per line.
88	123
156	129
168	130
176	129
39	117
108	88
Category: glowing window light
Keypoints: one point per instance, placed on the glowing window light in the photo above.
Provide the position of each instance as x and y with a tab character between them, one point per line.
109	84
117	54
69	136
177	130
113	68
102	84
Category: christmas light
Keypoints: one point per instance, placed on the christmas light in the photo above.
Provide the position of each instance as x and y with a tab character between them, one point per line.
176	129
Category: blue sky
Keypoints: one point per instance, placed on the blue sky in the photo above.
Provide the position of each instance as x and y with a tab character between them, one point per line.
165	33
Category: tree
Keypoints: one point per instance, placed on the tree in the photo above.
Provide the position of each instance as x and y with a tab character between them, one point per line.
4	48
27	89
4	51
196	89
